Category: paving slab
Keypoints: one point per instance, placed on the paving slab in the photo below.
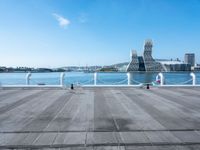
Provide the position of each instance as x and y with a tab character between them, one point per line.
151	147
103	138
164	137
134	138
187	136
109	148
103	121
45	139
29	139
6	138
17	139
70	139
100	118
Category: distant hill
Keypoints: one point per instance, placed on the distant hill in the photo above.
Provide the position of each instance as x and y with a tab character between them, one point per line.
119	65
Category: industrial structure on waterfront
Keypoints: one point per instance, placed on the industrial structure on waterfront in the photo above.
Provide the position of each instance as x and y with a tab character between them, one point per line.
149	64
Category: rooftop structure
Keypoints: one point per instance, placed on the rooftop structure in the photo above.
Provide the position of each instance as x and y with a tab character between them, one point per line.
100	118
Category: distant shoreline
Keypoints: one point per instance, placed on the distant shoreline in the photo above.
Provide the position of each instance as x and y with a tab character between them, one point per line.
98	72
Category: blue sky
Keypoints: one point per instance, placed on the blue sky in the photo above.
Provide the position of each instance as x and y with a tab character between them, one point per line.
50	33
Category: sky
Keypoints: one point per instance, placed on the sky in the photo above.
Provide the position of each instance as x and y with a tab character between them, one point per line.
57	33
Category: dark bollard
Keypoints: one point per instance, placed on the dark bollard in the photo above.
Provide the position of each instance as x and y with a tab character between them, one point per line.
72	86
148	86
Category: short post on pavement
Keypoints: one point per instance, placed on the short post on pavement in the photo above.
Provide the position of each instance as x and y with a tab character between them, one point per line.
148	87
72	86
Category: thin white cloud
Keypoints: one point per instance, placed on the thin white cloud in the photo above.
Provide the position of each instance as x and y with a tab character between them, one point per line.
63	22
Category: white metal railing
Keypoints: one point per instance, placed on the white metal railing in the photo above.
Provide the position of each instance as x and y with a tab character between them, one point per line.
28	75
160	77
95	81
28	79
193	78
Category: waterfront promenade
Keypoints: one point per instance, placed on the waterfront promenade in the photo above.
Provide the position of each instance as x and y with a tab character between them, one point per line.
125	118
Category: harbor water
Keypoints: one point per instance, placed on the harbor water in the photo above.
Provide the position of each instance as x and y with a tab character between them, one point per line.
80	78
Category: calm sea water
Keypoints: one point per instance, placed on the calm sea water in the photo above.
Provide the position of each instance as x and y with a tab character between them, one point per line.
102	78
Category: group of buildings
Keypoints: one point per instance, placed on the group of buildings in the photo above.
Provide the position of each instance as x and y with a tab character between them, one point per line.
147	63
138	63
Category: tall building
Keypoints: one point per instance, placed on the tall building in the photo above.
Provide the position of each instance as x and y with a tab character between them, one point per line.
190	58
150	63
145	62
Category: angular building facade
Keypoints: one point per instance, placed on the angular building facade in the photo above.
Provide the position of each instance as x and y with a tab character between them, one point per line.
145	62
150	63
134	64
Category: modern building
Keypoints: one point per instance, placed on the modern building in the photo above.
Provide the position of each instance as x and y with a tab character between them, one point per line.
145	62
196	68
190	59
149	64
134	64
174	65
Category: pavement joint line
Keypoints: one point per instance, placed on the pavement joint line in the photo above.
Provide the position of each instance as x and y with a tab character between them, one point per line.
35	140
21	101
86	139
52	119
63	96
97	144
114	119
55	138
69	131
148	138
197	131
118	140
136	95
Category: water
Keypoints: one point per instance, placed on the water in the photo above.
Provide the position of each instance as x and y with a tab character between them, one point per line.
88	78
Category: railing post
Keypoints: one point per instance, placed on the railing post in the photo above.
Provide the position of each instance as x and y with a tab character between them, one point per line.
193	78
62	77
95	78
129	78
28	75
161	78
